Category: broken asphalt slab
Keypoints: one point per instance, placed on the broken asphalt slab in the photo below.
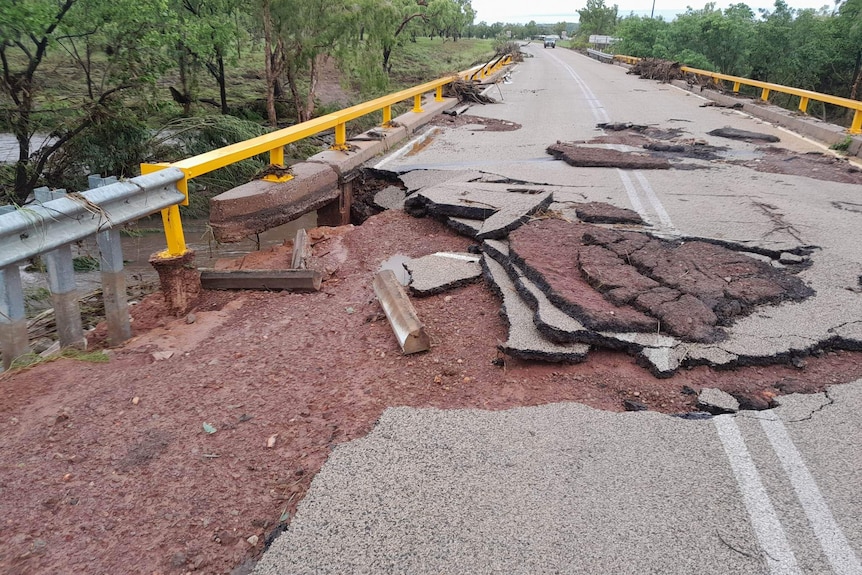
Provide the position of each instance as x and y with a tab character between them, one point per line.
593	157
688	289
737	134
661	354
525	341
502	207
441	272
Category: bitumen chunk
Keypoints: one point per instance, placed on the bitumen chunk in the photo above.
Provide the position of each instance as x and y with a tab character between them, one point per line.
442	271
502	207
525	341
717	402
604	213
593	157
735	134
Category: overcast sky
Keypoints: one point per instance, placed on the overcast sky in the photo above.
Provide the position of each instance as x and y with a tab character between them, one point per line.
550	11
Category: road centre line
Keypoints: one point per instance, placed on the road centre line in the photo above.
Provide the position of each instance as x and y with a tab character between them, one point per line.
596	107
632	193
832	540
767	528
601	116
656	203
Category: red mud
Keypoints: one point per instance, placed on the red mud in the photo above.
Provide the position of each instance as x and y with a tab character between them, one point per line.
93	482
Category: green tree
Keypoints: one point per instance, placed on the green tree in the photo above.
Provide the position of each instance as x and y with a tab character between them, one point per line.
126	35
205	33
597	18
643	37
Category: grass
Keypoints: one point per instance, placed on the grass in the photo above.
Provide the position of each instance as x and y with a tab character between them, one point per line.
842	146
427	59
33	359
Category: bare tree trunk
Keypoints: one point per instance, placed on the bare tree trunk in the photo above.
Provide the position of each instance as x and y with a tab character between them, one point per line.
294	92
313	79
271	76
856	88
222	81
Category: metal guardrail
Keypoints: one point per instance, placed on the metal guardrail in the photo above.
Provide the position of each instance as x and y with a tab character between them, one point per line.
50	227
274	142
766	88
38	228
599	55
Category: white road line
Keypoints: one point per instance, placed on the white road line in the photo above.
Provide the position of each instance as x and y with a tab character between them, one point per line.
770	534
832	540
596	107
632	193
656	203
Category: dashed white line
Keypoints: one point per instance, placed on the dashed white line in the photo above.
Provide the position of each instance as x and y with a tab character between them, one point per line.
832	540
767	528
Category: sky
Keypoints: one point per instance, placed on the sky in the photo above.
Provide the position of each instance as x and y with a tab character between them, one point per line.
550	11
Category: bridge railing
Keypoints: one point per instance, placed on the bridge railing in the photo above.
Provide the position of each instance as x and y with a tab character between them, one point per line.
274	142
766	88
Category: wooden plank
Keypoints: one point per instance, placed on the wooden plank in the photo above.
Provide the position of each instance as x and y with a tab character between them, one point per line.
301	250
270	280
401	314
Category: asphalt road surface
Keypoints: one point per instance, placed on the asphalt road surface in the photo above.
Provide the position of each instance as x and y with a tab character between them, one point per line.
568	489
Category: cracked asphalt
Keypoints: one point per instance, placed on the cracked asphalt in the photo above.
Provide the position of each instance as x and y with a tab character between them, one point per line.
565	488
568	489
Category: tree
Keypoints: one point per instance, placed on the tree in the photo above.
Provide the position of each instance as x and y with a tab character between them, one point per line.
849	25
125	31
596	18
643	37
206	31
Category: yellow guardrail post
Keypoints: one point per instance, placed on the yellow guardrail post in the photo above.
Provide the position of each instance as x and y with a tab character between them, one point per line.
438	94
803	105
387	115
174	235
856	125
340	137
736	86
417	104
764	95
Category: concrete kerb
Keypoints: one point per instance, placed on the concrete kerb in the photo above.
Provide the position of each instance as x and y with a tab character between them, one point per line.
259	205
829	134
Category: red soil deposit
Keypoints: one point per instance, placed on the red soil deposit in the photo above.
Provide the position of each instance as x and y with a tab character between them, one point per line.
107	468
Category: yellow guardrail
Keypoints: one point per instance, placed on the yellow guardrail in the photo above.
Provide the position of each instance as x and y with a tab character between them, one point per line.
805	96
274	142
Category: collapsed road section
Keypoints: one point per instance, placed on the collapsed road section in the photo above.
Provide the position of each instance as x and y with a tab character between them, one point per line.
581	275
